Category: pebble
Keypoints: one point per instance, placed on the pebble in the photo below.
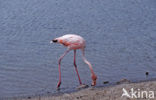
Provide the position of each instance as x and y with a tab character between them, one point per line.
123	81
105	82
29	97
82	86
147	73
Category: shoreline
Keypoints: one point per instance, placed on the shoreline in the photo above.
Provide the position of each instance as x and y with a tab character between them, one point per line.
113	92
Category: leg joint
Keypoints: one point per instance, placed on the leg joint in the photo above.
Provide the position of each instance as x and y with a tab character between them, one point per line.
75	64
59	62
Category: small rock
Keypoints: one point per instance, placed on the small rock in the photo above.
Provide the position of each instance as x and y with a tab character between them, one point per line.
29	97
105	82
77	97
123	81
82	86
147	73
48	92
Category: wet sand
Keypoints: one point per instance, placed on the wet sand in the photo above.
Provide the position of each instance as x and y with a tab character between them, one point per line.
103	93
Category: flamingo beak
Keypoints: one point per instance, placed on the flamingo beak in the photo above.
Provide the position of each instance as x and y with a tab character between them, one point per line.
53	41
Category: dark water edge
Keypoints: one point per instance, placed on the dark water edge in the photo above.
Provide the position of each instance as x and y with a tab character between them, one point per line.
58	93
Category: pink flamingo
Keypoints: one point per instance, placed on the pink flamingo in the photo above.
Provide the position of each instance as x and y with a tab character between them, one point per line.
73	42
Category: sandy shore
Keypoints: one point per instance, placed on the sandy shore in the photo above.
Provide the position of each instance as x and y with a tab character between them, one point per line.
106	93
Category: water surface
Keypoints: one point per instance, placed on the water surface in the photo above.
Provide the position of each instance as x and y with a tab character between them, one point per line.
120	36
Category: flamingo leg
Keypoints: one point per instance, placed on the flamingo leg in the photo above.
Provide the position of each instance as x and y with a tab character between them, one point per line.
93	76
76	67
59	67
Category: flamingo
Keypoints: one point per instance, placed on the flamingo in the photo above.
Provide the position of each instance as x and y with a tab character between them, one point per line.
73	42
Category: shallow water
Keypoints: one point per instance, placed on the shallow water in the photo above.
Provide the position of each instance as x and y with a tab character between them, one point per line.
120	36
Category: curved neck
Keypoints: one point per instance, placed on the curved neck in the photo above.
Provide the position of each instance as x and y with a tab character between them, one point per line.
87	62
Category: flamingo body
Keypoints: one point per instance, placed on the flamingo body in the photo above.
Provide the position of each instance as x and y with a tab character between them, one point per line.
73	42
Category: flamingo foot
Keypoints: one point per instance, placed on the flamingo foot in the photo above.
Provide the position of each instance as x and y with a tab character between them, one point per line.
94	78
58	84
82	86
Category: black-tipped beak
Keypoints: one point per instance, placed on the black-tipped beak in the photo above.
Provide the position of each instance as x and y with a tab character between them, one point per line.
54	40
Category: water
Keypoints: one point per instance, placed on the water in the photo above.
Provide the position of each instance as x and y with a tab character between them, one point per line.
120	36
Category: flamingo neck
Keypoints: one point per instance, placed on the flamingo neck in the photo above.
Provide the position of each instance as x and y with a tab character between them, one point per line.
87	62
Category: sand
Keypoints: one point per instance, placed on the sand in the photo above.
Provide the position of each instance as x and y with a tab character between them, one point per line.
106	93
